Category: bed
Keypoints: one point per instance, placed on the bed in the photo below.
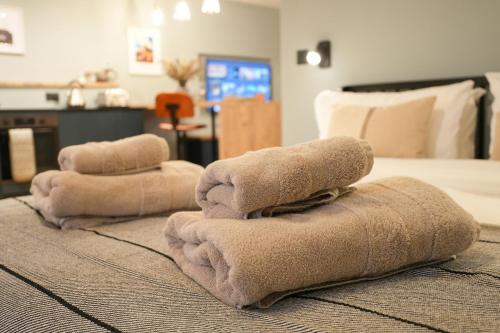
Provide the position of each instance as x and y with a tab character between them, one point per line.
473	183
118	278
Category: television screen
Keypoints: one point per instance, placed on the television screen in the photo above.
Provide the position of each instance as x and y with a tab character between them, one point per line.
236	77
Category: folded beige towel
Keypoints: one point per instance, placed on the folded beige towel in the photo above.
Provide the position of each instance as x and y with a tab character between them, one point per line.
22	154
380	228
130	155
243	186
69	199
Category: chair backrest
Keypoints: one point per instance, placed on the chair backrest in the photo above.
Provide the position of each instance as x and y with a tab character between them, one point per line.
178	102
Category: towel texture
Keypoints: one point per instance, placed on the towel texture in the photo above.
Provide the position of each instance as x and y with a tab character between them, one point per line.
130	155
22	154
243	186
69	199
380	228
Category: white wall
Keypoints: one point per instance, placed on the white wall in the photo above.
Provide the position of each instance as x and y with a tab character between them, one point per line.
380	41
66	37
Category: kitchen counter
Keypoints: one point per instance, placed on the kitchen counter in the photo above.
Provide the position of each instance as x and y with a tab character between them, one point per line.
103	109
54	129
75	126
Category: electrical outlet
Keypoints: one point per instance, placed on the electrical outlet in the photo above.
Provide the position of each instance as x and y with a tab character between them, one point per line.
52	97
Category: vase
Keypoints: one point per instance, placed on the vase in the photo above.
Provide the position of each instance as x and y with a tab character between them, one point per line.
183	86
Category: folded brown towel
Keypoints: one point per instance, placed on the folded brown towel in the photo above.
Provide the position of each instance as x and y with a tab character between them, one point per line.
130	155
243	186
382	227
69	199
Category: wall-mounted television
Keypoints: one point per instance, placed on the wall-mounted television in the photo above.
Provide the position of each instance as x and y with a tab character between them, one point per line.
239	77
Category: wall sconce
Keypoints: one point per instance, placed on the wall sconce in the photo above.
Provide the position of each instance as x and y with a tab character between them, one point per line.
320	57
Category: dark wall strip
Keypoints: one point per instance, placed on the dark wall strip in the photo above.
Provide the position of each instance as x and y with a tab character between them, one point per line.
372	312
129	242
59	299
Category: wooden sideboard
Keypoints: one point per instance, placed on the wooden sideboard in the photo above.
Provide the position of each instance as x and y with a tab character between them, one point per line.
248	124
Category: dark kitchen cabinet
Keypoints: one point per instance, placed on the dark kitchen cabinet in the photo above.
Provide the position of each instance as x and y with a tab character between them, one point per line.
80	126
56	129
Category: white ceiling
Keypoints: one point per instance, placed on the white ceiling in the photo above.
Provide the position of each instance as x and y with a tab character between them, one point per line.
266	3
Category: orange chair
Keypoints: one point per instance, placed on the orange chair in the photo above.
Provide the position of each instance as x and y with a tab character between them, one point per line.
175	106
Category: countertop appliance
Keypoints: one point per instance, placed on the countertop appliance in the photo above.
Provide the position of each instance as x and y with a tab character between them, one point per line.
75	96
115	97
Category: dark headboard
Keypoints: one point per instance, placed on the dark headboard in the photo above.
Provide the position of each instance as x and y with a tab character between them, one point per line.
479	81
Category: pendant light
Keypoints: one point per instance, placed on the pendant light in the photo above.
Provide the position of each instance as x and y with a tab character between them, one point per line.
182	11
157	15
210	7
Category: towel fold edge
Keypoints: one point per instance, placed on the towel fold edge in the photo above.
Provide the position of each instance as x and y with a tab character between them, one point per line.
271	299
368	150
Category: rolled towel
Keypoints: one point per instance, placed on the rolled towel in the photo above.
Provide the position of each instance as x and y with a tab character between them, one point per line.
381	228
258	181
130	155
70	200
22	154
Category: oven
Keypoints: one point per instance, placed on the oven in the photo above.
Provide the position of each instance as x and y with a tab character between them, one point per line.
45	134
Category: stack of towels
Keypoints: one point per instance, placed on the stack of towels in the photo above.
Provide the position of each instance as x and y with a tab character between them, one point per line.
282	220
107	182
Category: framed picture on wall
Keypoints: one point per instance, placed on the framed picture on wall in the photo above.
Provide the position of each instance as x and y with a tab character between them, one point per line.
12	30
144	51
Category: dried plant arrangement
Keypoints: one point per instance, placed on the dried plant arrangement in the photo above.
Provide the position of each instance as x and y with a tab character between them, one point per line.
181	70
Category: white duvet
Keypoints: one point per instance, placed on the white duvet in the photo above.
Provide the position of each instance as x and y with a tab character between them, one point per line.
474	184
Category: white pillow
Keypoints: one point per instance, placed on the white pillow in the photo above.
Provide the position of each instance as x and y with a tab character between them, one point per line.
445	120
494	80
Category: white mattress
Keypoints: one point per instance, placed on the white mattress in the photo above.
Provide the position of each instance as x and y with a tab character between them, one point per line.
474	184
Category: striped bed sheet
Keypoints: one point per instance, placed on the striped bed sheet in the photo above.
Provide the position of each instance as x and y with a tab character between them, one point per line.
118	278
